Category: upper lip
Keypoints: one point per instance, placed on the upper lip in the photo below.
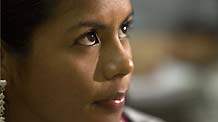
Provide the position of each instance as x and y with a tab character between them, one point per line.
112	96
115	91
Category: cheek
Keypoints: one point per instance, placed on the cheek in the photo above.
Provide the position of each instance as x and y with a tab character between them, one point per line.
61	82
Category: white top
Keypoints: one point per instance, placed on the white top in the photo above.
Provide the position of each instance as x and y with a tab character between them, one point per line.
137	116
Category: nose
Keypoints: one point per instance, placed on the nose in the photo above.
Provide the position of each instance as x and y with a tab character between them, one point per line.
118	62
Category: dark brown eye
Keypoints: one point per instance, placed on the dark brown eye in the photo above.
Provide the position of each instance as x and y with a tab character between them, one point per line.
124	30
89	39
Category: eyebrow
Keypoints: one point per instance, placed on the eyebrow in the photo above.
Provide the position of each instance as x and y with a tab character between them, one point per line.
91	24
129	16
100	25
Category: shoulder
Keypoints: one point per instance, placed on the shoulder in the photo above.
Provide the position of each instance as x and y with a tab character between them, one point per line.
137	116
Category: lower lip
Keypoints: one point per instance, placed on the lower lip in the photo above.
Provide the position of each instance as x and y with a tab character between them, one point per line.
111	105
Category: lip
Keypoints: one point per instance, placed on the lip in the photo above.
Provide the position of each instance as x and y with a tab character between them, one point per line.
112	103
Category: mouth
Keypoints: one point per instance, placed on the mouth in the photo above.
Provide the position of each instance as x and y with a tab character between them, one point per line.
112	103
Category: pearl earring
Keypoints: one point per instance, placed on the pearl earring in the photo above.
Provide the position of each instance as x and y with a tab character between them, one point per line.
2	96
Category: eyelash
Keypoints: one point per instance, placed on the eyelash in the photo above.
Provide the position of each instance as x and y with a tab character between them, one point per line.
123	33
88	36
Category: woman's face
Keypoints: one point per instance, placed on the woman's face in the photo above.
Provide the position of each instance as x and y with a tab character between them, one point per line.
80	64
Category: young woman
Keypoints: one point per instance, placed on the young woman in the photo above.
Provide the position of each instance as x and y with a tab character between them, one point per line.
65	61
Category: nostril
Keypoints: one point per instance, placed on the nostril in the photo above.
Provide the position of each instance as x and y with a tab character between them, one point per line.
118	76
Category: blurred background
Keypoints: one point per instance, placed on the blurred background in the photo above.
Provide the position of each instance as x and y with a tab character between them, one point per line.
175	50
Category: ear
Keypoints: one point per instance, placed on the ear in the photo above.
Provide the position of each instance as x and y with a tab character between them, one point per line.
10	63
3	62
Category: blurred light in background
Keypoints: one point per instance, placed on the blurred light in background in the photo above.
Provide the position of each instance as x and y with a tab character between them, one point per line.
175	50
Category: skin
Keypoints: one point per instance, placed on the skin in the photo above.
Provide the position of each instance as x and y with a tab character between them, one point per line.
61	77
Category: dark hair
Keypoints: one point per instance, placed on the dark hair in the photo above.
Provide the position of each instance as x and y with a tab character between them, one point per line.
19	18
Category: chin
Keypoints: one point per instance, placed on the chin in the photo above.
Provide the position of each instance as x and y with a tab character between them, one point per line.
107	118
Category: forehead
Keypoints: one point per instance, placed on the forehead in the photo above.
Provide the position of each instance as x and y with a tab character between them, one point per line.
65	5
93	8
